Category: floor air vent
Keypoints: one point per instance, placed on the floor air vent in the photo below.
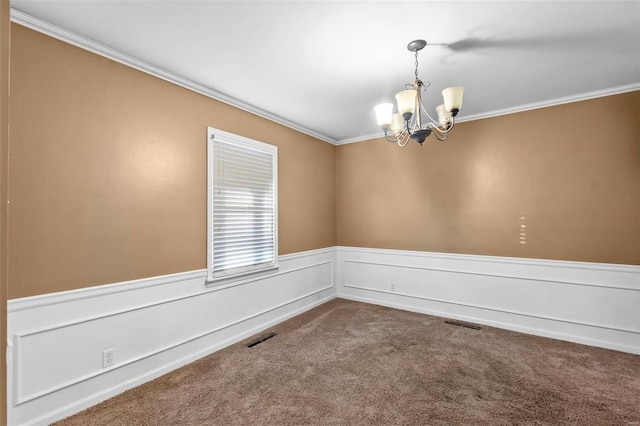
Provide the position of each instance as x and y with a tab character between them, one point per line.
464	324
260	340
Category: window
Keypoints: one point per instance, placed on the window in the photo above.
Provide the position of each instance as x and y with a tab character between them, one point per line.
242	211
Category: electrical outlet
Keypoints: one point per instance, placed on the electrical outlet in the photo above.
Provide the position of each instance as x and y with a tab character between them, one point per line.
107	358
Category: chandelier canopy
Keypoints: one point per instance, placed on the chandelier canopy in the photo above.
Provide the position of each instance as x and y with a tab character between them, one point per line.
412	120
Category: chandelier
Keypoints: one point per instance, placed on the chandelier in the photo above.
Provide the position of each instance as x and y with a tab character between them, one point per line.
412	120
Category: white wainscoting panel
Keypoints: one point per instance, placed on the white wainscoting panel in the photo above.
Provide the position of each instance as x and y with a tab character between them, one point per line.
155	325
589	303
161	323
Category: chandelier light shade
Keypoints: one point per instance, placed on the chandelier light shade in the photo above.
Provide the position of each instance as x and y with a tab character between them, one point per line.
412	121
384	114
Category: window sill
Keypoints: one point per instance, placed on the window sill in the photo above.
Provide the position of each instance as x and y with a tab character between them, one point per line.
257	274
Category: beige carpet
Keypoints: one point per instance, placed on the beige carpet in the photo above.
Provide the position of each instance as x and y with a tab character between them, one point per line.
353	363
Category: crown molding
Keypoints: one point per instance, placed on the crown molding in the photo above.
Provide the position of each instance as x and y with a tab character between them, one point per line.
360	138
54	31
552	102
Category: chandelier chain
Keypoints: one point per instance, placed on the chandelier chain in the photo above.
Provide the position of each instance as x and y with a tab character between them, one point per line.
416	65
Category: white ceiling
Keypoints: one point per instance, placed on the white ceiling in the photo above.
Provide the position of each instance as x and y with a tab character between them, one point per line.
321	66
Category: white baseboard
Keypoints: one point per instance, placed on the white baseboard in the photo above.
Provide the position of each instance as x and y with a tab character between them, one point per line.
587	303
55	361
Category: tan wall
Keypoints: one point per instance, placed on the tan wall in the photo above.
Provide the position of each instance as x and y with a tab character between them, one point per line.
108	178
5	29
108	172
567	177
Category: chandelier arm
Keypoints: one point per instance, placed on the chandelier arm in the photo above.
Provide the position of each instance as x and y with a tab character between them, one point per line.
405	135
441	139
409	125
438	130
396	139
406	141
386	136
453	122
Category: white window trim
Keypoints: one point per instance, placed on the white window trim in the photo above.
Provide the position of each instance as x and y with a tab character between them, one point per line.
216	134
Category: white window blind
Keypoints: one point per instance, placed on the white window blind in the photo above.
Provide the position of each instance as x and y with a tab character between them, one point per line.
242	211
